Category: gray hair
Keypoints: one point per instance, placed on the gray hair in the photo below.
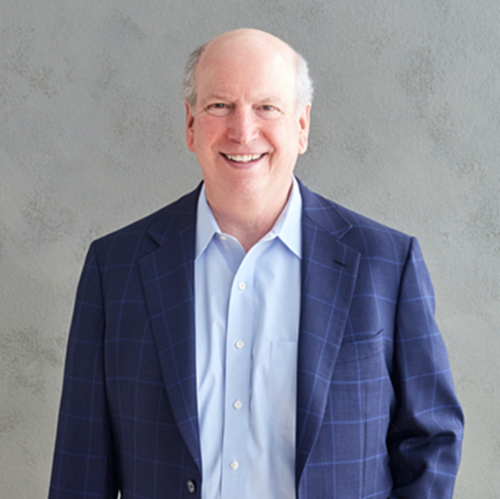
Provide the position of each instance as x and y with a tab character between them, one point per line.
304	82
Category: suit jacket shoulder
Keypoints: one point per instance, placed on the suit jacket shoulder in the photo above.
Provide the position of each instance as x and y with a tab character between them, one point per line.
137	239
366	236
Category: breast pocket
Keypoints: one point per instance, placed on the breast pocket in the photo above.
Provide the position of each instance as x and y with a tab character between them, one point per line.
354	351
282	383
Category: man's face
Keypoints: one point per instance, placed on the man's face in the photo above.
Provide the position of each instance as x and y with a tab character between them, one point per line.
245	128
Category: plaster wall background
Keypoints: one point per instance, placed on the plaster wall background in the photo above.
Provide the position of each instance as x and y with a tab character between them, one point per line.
405	129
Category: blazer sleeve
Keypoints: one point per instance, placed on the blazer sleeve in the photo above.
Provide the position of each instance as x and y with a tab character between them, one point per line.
84	463
425	436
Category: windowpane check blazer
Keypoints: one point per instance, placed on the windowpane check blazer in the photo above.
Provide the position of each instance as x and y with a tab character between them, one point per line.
377	415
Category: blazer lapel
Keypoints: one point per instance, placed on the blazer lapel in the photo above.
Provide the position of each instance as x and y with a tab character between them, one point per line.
329	270
168	280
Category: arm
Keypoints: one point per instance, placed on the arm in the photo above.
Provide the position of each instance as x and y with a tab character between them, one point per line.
425	435
84	464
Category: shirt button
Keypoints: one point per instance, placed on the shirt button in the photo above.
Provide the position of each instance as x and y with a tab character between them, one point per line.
239	344
234	465
237	405
191	486
242	285
223	238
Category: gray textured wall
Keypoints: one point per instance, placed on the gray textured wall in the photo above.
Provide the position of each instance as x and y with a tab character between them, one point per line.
405	130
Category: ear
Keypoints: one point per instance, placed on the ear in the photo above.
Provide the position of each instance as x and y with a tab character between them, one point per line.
304	129
189	127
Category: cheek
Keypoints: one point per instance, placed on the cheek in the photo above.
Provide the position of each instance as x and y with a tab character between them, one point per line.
208	131
285	139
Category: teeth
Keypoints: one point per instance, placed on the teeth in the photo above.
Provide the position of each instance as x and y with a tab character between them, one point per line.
243	158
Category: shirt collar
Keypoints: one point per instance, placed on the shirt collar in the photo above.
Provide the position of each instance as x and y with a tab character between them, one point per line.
206	225
287	227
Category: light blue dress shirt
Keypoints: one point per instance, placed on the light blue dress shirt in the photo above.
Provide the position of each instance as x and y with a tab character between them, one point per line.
247	308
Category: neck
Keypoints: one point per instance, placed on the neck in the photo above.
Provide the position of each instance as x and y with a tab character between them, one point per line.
247	218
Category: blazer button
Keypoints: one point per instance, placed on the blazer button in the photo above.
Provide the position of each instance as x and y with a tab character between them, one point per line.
191	486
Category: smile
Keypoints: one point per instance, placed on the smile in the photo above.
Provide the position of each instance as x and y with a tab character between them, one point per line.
243	158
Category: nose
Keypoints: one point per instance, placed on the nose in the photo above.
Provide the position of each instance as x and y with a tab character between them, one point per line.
242	125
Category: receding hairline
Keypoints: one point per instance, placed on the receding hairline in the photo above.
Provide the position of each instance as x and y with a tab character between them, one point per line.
290	55
255	35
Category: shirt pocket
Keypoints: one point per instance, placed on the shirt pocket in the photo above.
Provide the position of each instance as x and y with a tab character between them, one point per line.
282	383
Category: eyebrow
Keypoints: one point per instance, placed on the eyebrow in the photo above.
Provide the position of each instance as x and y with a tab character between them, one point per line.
216	96
262	100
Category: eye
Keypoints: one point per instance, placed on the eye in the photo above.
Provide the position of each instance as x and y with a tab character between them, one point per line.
268	111
218	109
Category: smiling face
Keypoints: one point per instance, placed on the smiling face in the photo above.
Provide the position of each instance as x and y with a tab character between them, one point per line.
245	128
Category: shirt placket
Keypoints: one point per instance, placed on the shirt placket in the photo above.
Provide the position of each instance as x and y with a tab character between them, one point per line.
239	341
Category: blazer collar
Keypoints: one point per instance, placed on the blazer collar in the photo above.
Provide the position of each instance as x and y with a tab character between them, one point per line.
176	218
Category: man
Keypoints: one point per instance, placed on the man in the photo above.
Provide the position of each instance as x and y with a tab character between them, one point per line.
254	339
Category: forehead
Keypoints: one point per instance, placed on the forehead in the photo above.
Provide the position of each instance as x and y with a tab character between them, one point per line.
246	67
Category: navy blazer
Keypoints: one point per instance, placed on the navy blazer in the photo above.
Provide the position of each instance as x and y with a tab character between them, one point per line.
377	416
